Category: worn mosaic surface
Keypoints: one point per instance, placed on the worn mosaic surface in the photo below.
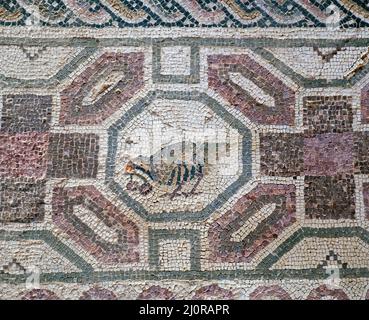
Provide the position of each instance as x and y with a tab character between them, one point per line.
213	149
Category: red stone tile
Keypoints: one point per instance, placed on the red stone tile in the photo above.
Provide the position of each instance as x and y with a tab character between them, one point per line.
23	155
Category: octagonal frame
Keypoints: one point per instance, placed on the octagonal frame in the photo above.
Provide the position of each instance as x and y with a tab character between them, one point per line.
216	107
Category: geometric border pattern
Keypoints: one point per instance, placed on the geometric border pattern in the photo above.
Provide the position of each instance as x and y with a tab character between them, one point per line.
192	226
261	272
187	13
219	110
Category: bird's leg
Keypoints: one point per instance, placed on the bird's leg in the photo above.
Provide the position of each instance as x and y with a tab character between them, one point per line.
175	192
192	192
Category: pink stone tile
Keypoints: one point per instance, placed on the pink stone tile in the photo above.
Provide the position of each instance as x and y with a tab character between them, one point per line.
328	154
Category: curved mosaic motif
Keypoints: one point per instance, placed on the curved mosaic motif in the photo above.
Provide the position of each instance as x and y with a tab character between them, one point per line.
97	293
40	294
213	292
325	293
102	89
230	76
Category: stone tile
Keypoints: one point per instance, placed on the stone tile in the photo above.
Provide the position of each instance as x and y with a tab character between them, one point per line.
361	152
23	155
183	149
25	113
327	114
73	155
22	200
330	197
366	199
281	154
328	154
175	254
230	76
176	60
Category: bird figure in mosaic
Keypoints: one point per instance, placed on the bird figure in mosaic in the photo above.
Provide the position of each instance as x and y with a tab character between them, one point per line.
169	173
175	174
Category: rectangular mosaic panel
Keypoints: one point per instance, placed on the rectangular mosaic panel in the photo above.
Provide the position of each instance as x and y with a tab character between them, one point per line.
184	149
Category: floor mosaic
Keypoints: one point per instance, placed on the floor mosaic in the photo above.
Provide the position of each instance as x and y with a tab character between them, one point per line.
184	149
